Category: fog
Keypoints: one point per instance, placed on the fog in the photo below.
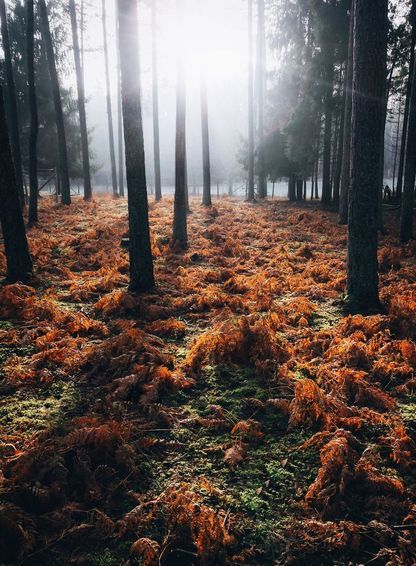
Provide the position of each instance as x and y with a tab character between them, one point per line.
218	37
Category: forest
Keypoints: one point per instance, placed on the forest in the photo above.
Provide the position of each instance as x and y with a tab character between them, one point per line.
208	282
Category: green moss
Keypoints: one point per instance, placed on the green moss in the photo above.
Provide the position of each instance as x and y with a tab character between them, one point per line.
30	410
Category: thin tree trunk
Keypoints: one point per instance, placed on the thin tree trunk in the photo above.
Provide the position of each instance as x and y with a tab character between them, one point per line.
346	151
82	37
141	261
206	160
292	188
109	105
59	115
250	192
261	73
370	56
396	147
400	174
33	110
81	103
386	94
299	189
155	86
119	120
13	113
180	231
328	100
19	263
338	166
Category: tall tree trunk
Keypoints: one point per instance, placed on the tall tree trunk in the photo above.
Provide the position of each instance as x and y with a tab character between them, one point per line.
340	148
406	218
180	232
141	261
292	188
407	103
13	113
119	120
19	263
328	101
33	110
81	103
346	151
370	56
386	95
299	189
155	87
206	160
109	106
396	146
59	115
250	192
261	75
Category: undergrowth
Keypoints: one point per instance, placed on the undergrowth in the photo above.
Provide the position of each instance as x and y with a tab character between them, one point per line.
232	415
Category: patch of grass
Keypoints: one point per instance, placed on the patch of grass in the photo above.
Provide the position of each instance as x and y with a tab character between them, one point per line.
31	410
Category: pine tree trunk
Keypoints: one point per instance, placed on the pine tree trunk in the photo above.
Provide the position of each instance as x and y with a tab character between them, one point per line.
109	105
406	217
81	103
19	263
119	120
141	261
396	147
155	87
59	115
33	111
370	56
261	73
328	100
340	147
400	173
299	189
13	113
292	188
180	232
250	192
346	150
206	160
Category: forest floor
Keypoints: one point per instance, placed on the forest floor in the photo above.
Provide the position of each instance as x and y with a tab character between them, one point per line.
233	415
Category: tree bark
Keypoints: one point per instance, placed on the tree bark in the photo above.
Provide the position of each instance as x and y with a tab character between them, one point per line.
19	263
81	103
119	120
396	147
370	56
109	105
141	261
328	100
406	217
33	110
400	173
250	191
155	87
206	160
340	147
13	113
59	116
261	73
180	231
292	188
346	151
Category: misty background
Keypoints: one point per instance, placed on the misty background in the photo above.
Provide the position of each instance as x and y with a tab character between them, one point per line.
222	27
